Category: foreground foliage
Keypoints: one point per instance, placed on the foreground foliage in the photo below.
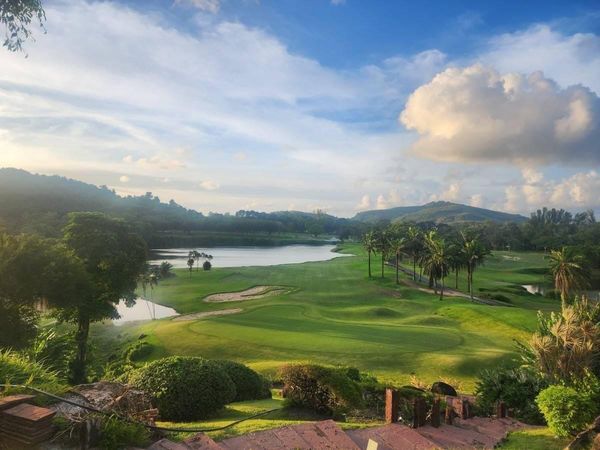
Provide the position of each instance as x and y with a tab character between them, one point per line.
566	409
185	388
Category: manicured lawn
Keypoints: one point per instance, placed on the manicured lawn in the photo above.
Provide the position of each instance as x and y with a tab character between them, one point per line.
533	439
336	315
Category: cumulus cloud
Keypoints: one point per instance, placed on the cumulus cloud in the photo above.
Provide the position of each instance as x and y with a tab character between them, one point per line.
382	203
476	200
124	179
364	204
475	114
155	162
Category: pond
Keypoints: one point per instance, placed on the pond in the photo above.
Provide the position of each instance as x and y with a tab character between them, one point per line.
142	310
248	256
543	288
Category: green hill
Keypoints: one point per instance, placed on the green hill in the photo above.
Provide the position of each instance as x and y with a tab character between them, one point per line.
438	212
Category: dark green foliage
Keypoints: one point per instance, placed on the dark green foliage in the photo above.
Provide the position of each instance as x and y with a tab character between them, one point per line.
206	265
18	368
54	350
17	324
249	385
116	434
322	389
138	351
185	388
517	387
16	17
566	409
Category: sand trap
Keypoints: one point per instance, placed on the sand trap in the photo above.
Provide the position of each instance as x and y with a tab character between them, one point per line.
249	294
202	315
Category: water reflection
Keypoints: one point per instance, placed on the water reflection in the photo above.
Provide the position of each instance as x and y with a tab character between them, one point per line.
143	310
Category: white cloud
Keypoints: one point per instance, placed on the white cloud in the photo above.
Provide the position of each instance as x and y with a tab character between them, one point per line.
209	185
124	179
381	202
452	193
211	6
476	200
475	114
364	204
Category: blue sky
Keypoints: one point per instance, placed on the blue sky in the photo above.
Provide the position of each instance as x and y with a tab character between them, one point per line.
339	105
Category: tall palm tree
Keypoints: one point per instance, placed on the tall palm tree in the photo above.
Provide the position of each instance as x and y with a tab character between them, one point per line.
456	260
474	255
415	247
399	246
436	263
382	244
370	246
567	271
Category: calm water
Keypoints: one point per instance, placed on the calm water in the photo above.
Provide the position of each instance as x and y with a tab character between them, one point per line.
543	288
248	256
143	310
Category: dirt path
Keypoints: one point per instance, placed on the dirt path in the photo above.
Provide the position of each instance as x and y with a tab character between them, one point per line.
202	315
249	294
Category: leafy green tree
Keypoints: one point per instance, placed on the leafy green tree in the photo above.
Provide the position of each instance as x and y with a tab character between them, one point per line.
33	270
370	245
567	272
16	17
113	258
165	269
190	264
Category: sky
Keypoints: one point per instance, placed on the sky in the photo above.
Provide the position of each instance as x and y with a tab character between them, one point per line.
339	105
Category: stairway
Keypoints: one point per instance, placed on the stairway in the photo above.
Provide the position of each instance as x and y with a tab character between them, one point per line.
475	433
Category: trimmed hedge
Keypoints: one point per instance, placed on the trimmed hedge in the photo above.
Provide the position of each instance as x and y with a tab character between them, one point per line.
249	385
566	410
185	388
322	389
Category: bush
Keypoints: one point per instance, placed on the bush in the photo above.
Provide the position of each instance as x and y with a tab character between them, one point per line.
115	433
185	388
249	385
138	351
17	368
518	388
566	409
322	389
207	265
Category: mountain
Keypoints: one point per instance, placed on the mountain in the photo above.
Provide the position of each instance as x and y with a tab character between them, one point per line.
438	212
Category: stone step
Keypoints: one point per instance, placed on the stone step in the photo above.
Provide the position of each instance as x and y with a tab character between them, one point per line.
14	400
392	437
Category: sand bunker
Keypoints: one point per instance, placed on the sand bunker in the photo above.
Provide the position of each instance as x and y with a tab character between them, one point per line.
249	294
202	315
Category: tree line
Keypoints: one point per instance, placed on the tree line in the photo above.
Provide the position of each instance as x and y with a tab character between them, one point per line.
436	255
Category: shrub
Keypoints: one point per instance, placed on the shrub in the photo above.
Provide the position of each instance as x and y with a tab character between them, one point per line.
185	388
207	265
138	351
566	410
322	389
517	387
17	368
249	385
115	433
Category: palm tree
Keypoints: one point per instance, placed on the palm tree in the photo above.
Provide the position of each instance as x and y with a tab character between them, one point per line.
436	262
370	246
415	247
190	264
567	272
474	255
398	245
382	244
456	260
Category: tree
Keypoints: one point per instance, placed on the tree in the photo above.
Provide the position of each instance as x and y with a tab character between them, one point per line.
436	260
567	271
113	258
456	260
16	17
382	244
414	247
190	264
398	245
370	245
474	255
165	269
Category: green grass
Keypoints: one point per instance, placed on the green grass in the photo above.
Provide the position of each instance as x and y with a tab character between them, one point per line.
533	439
337	316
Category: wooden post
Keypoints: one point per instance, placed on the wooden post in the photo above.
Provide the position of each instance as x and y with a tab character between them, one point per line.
391	406
449	414
501	413
435	413
419	412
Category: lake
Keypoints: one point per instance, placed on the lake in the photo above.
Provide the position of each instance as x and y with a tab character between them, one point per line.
248	256
142	310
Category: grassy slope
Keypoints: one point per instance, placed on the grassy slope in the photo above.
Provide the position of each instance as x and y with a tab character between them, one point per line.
337	316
